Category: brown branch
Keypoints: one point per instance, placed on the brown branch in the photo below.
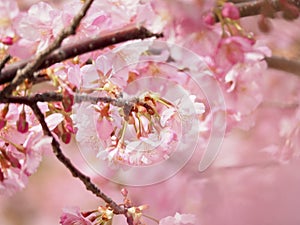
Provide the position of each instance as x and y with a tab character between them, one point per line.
33	66
256	7
4	61
78	48
252	8
75	172
29	100
78	98
287	65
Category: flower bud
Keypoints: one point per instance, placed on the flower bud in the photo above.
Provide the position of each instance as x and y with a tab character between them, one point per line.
22	124
1	176
209	19
230	11
2	123
68	101
66	137
7	40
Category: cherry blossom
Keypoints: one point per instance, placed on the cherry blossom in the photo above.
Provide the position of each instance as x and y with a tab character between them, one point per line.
20	161
178	219
35	29
139	103
9	11
73	216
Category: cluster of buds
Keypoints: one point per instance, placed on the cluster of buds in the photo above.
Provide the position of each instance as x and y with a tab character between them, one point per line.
22	124
65	129
226	12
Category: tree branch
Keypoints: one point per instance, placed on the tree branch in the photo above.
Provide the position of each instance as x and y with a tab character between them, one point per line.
78	98
67	162
287	65
78	48
33	66
4	61
252	8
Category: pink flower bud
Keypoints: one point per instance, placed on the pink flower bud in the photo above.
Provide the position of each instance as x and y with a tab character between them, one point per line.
230	11
209	19
68	125
66	137
22	124
2	123
4	111
68	101
7	40
69	128
1	176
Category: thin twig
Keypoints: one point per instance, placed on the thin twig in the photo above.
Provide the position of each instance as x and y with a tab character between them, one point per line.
287	65
30	68
3	62
81	47
68	164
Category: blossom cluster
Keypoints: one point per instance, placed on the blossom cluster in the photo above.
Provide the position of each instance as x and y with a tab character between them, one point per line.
135	104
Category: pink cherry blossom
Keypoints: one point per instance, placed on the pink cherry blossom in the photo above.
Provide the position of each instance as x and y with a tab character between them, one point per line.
73	75
35	145
17	161
229	10
178	219
104	128
73	216
9	11
231	51
13	180
38	29
22	124
7	40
